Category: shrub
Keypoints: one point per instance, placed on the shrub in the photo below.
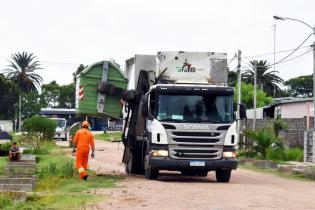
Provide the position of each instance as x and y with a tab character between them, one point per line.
274	154
6	146
263	139
5	202
39	129
293	154
278	125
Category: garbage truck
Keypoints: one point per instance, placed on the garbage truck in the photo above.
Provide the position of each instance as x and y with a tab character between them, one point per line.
178	114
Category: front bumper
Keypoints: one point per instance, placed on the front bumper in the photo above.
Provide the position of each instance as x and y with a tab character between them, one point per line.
166	163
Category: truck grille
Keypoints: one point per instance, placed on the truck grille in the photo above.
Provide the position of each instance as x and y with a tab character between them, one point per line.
193	138
186	152
196	140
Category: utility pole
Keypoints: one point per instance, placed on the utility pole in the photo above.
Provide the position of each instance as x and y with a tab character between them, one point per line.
274	56
313	147
20	111
239	75
255	89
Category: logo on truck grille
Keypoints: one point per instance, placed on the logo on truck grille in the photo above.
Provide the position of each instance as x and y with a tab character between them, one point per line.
196	127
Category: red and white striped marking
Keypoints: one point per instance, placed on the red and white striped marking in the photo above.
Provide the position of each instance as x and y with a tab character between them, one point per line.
81	92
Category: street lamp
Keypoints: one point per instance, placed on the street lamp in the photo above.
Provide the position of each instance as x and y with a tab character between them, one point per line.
313	29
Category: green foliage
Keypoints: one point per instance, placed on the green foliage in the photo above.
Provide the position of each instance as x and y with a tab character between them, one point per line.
109	136
39	129
267	80
278	125
59	96
6	146
22	69
32	103
3	163
301	86
5	202
263	139
9	94
293	154
247	91
274	154
232	78
247	154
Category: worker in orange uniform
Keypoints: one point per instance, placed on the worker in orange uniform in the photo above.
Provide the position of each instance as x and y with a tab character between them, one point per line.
83	140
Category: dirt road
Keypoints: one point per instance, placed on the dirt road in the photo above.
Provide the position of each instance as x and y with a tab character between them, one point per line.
246	190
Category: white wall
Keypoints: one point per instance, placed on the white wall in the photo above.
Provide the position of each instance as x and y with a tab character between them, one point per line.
259	113
6	125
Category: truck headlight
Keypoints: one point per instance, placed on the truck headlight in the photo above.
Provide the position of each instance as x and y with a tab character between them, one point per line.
159	153
229	154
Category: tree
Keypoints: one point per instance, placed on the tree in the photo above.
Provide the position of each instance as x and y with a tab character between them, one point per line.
39	129
22	69
67	96
301	86
77	72
268	81
32	103
247	98
59	96
50	93
8	97
232	78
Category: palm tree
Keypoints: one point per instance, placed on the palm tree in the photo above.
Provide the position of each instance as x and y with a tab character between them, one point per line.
267	80
22	72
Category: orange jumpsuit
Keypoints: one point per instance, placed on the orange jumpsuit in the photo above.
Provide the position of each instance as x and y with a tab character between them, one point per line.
83	139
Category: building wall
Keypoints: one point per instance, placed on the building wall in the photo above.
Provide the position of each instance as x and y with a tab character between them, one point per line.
6	125
295	110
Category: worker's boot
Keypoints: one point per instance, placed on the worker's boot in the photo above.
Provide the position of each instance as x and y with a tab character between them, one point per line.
85	177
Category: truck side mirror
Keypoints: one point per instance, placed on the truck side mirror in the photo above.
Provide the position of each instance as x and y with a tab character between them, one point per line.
243	111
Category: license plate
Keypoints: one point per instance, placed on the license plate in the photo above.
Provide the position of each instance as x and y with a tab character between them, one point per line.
197	163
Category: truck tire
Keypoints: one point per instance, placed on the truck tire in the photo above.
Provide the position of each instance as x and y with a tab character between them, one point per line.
223	175
150	173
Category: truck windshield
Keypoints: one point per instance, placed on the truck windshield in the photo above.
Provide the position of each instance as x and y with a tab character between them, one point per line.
195	108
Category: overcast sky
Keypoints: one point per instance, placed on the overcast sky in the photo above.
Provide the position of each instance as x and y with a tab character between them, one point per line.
65	33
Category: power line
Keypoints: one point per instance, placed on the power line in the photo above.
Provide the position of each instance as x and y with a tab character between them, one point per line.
271	53
294	50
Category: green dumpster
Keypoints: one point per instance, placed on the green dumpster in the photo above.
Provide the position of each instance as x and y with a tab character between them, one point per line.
89	102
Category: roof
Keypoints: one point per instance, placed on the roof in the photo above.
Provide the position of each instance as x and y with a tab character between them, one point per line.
57	111
286	100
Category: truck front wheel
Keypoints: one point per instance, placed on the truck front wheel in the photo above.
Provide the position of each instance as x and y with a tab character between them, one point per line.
223	175
150	173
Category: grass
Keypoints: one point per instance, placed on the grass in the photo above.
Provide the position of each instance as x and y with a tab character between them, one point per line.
59	186
109	136
3	163
275	172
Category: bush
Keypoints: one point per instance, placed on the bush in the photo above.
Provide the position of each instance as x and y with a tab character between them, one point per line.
39	129
275	154
278	125
5	202
293	154
6	146
263	139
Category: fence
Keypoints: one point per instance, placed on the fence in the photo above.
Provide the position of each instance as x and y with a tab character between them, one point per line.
309	148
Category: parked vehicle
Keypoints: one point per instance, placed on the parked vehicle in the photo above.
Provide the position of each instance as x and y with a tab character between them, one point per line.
61	131
178	116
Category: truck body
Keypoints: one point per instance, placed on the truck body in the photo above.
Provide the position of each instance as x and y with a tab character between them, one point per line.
178	115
